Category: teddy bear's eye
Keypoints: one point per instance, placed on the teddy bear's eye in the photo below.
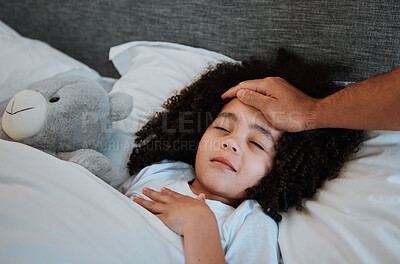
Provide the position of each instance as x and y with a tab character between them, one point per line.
54	99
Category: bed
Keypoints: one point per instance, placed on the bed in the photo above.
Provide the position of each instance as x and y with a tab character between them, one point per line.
53	211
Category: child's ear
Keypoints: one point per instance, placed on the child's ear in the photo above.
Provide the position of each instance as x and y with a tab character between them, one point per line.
121	106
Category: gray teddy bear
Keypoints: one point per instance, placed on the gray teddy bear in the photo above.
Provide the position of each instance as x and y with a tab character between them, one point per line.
69	117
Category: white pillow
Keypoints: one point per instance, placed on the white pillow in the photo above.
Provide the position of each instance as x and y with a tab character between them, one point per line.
24	60
355	218
151	72
7	30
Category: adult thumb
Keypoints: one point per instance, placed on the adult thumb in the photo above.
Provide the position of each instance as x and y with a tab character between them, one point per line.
252	98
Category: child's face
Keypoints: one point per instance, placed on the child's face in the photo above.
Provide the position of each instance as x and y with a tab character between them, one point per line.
235	152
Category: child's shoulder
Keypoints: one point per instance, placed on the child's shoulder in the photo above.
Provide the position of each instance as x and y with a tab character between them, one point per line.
251	211
168	165
163	172
165	168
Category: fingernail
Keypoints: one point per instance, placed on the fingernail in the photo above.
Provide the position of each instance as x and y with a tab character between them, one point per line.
241	93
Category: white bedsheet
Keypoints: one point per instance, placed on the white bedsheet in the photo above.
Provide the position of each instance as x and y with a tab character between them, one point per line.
52	211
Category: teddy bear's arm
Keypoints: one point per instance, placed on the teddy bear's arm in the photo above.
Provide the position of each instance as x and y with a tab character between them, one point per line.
94	161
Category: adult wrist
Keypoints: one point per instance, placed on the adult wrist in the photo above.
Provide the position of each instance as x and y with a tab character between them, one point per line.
312	115
320	113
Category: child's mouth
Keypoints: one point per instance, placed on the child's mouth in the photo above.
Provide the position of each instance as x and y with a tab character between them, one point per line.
223	163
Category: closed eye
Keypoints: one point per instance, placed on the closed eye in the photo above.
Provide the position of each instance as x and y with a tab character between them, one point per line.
257	145
221	128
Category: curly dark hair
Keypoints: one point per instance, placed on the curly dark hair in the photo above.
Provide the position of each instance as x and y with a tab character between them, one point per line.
303	161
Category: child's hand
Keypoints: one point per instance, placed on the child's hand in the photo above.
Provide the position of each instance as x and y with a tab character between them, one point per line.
178	212
190	218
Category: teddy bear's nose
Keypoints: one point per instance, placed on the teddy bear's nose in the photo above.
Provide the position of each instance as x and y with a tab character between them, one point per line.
10	110
25	115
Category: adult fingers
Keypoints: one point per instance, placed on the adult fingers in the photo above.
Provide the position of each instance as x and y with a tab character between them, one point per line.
255	99
154	207
250	84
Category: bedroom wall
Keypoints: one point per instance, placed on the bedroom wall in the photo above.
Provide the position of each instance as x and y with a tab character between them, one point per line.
364	34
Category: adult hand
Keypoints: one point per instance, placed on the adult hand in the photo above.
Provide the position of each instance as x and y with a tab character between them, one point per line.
175	210
283	105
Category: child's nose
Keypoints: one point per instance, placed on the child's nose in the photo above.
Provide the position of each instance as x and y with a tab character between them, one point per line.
230	145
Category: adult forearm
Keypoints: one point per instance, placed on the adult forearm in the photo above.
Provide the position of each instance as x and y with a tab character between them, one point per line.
370	104
202	243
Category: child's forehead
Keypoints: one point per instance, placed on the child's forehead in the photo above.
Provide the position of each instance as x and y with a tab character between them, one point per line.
238	111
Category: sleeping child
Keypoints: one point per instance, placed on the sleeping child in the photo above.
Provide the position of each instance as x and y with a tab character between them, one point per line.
218	174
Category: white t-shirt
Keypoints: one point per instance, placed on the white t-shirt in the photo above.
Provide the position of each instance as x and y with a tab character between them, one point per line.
248	235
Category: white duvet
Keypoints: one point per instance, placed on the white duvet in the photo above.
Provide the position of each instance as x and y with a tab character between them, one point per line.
52	211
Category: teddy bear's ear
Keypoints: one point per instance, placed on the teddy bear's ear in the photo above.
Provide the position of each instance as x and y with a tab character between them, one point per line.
121	105
106	83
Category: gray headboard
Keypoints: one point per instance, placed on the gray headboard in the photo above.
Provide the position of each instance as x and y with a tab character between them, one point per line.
362	34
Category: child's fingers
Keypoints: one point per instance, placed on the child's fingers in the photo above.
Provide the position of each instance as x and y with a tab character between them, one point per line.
171	193
157	196
154	207
201	197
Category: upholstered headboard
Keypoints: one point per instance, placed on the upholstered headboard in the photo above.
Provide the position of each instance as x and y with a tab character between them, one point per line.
364	34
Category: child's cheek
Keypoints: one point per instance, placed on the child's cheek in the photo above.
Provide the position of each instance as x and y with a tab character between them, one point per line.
259	167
